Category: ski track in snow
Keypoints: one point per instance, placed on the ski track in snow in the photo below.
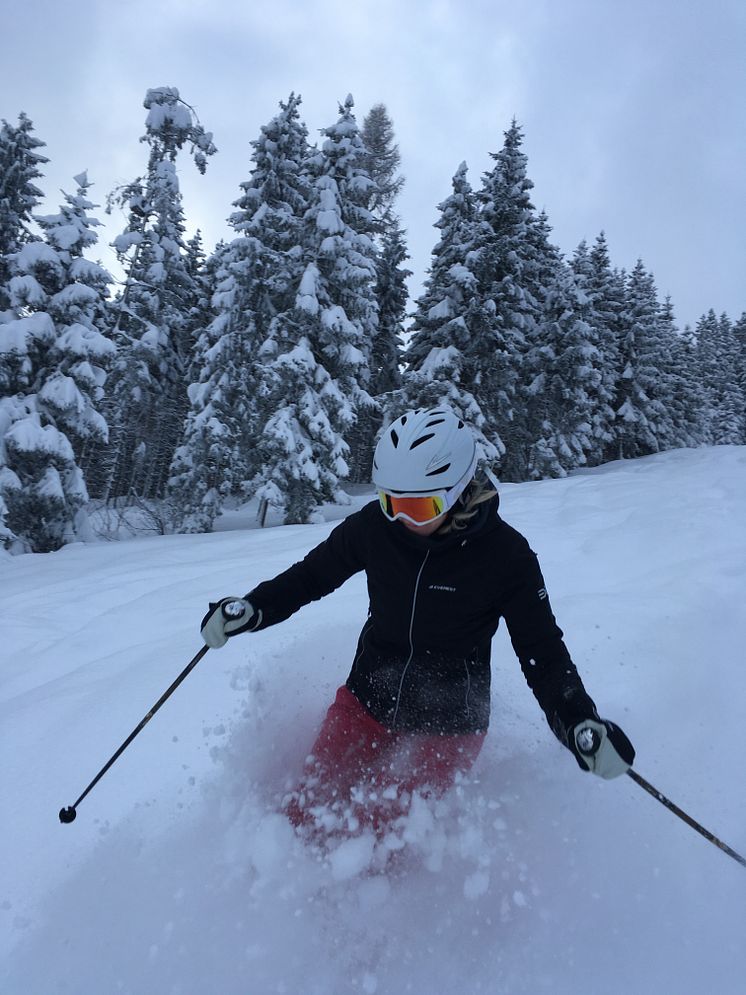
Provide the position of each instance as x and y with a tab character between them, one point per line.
179	876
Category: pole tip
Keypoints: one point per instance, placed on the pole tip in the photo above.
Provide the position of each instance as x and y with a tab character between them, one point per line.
67	814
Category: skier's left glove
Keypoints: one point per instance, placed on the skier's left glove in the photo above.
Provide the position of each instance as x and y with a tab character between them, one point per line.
601	747
228	617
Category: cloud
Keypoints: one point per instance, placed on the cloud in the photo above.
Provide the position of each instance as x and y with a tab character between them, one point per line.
631	112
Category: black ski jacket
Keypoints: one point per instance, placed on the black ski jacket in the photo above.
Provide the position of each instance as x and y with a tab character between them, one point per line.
423	657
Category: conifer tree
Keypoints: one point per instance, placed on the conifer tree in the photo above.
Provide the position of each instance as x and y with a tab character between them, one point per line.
53	360
604	303
561	368
739	331
445	356
148	383
391	295
228	446
718	348
382	161
504	311
19	167
684	422
343	323
83	351
201	276
692	388
320	373
644	387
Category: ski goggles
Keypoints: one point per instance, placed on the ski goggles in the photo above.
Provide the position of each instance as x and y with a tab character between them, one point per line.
419	509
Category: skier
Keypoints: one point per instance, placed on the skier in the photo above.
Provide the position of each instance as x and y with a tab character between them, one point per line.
442	569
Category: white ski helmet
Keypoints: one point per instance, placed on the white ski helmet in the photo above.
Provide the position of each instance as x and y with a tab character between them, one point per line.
424	451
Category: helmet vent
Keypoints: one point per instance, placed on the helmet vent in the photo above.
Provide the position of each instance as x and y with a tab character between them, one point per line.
437	421
441	469
422	438
394	438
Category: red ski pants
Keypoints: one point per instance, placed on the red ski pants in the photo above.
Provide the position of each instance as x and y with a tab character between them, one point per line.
361	775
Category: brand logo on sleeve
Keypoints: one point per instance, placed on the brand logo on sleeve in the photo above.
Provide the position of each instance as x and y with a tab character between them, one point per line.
441	587
542	594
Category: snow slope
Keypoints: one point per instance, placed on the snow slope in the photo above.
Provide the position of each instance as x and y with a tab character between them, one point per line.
179	878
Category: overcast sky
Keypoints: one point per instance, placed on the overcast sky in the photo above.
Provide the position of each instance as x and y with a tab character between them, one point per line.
632	110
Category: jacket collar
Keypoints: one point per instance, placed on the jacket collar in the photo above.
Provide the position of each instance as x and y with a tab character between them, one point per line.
485	520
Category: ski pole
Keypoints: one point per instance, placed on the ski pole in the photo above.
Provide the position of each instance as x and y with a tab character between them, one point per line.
589	741
68	814
687	818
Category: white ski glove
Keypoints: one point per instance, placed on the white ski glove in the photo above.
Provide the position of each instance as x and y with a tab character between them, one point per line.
228	617
602	748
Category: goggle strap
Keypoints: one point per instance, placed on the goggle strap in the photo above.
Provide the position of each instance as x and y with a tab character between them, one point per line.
491	477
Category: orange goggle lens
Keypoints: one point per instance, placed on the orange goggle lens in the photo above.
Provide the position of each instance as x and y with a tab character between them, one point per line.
418	510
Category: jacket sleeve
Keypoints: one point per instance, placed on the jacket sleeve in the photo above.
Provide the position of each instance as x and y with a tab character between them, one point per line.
320	572
541	651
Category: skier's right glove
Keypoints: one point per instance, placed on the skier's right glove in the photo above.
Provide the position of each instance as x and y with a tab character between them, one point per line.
228	617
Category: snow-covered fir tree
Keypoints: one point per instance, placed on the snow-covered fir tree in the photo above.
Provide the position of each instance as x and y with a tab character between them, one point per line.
83	351
684	383
504	312
691	388
603	304
561	372
201	276
335	320
391	295
207	466
719	350
739	331
148	383
229	447
383	160
54	361
19	167
445	357
450	284
644	384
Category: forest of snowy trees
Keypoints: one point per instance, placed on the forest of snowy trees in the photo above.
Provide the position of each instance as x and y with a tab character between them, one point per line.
265	367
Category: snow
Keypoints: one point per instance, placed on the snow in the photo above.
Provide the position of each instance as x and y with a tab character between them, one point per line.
75	294
27	435
439	360
306	298
179	875
50	485
166	110
19	334
62	393
37	254
87	272
26	291
78	340
66	236
441	311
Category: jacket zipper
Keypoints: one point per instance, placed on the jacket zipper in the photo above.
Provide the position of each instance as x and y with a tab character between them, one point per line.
468	688
411	643
363	637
